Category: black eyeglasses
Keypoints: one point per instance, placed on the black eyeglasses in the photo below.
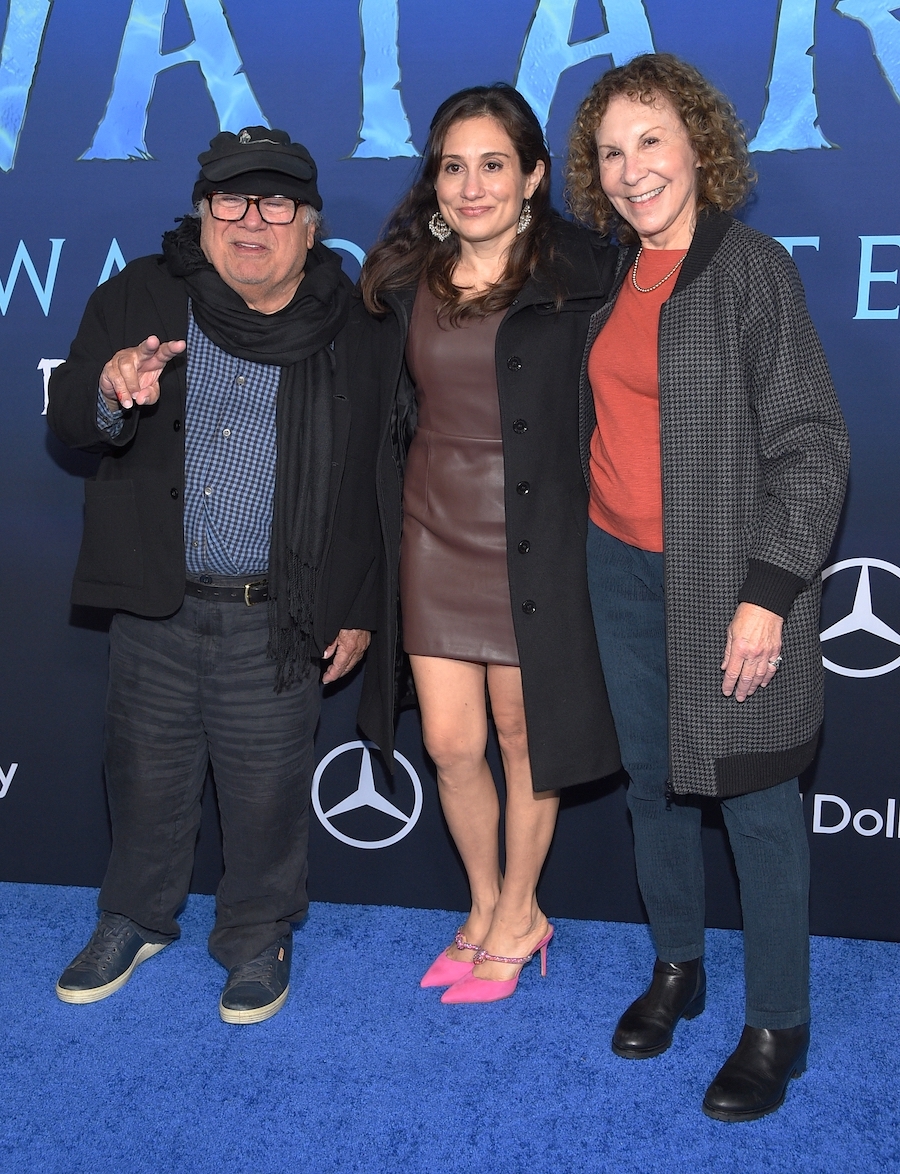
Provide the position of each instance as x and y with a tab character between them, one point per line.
272	209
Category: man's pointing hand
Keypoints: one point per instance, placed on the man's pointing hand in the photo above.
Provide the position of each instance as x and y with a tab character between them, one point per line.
132	376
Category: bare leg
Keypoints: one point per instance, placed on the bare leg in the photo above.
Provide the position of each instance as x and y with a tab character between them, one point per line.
454	726
518	923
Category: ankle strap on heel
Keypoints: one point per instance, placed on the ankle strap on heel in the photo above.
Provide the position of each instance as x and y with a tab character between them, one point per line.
460	942
481	955
484	956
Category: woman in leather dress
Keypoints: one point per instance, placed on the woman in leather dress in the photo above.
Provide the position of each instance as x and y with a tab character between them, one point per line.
486	297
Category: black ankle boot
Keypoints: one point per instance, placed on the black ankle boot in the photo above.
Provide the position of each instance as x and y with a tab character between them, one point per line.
753	1080
678	991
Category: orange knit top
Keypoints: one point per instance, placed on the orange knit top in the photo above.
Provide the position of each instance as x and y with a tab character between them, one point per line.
623	369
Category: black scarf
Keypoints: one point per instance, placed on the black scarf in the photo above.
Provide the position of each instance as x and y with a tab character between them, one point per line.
298	339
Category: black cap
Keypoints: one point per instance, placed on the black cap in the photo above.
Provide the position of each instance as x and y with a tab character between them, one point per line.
263	152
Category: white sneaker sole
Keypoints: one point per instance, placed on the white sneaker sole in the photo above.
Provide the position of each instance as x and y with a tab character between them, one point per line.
258	1014
103	992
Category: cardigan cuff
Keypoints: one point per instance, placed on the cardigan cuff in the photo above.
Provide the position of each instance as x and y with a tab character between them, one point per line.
771	587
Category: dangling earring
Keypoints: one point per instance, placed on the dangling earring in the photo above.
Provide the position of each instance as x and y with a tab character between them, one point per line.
439	227
524	217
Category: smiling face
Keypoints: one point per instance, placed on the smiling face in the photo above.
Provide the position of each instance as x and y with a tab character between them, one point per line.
480	185
262	262
648	170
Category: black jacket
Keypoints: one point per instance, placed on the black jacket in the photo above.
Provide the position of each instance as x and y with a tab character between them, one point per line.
132	553
538	359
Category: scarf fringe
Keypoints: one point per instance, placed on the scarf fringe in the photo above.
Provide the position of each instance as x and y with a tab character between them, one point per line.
292	647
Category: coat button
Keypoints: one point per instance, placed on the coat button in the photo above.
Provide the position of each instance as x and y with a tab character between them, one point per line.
522	488
529	607
520	426
524	546
173	492
176	425
514	363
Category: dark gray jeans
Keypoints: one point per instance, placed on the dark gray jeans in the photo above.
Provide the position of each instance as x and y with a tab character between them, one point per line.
184	691
765	828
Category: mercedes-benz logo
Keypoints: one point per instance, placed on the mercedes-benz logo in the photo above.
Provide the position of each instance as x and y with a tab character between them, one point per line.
366	795
861	617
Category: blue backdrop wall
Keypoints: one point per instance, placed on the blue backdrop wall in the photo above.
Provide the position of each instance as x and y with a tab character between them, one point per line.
104	105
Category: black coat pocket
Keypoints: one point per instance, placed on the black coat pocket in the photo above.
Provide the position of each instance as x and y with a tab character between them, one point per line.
111	546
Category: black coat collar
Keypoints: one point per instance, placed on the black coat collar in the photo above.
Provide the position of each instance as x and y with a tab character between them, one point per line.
584	264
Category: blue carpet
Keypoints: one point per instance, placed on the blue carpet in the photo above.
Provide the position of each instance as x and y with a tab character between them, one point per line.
362	1071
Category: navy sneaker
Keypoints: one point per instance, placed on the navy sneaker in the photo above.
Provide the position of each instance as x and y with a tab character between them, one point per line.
107	962
257	989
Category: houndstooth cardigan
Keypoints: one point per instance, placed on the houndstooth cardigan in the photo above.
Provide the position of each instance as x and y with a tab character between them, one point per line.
754	465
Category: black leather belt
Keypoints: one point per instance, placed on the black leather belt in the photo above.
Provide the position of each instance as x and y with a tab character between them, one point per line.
255	591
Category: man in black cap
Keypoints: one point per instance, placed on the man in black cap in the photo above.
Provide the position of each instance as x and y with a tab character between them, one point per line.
232	527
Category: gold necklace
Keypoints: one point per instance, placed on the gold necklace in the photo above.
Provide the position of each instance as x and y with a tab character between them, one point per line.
662	281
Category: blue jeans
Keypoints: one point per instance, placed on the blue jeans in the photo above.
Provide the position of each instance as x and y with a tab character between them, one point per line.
766	829
194	688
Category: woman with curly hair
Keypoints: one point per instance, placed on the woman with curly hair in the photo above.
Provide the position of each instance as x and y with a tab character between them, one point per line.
716	457
486	297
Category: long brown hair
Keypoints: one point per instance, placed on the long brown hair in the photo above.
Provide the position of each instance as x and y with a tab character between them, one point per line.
724	176
407	251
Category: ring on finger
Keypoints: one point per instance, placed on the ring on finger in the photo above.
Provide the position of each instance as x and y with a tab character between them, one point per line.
776	662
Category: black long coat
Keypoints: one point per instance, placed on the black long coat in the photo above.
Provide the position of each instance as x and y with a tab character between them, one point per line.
539	350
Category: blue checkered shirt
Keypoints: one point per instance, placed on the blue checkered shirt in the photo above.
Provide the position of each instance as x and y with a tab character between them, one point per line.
229	458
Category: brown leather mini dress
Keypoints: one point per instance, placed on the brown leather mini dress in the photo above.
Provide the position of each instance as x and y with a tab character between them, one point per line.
454	585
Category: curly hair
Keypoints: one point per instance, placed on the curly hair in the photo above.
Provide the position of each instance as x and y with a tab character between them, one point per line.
725	175
407	251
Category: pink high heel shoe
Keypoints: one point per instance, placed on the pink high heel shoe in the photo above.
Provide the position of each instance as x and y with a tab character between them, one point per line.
472	989
445	971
